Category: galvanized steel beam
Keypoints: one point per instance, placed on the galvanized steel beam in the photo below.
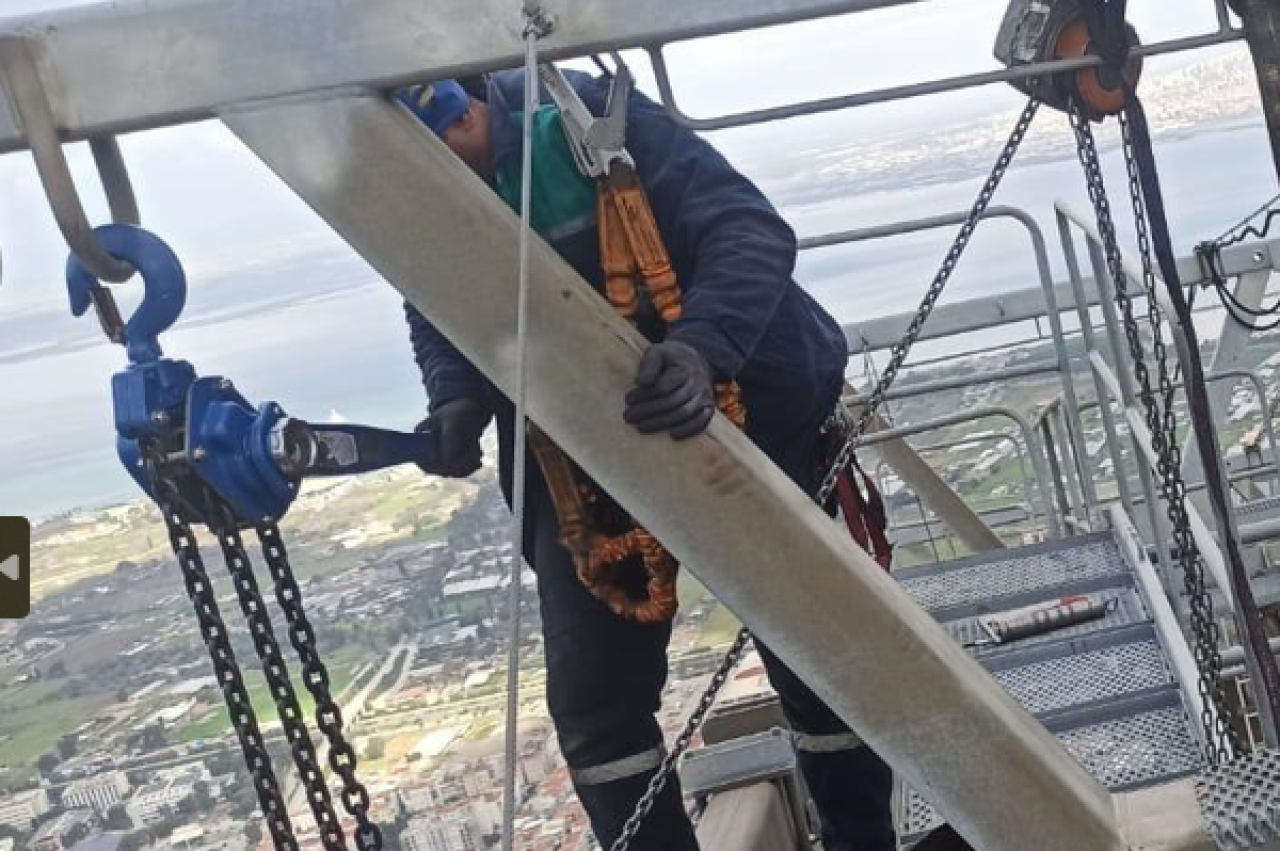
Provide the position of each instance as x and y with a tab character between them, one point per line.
138	64
449	245
1023	305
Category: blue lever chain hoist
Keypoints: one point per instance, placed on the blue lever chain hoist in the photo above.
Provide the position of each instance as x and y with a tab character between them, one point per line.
209	457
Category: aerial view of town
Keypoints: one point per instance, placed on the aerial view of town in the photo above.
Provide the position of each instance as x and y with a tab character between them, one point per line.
113	731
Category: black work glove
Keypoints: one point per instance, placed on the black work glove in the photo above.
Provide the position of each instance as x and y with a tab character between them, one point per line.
455	430
673	392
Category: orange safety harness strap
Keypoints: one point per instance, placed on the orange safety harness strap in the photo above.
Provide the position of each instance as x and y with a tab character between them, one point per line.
636	265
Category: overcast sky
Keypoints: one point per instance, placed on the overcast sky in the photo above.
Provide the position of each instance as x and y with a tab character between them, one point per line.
219	206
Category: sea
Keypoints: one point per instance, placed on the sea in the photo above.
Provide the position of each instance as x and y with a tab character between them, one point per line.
325	337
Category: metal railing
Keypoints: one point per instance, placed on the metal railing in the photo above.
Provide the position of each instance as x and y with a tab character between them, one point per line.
1038	462
1116	387
1050	310
1224	34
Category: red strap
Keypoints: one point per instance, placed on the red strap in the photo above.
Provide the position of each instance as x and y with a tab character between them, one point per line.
865	516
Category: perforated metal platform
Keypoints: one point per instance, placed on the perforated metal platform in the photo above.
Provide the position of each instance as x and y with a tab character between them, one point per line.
1105	688
1259	508
1241	802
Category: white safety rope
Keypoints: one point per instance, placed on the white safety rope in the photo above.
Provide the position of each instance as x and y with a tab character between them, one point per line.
532	33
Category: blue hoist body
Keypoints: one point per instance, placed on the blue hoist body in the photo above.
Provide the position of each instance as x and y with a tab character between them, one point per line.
209	439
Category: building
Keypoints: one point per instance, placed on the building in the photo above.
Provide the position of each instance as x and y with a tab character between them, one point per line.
109	841
97	793
448	832
486	816
163	794
21	811
215	836
62	832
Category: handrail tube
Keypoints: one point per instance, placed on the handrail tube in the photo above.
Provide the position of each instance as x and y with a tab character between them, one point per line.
1168	628
931	489
1040	252
943	385
972	415
1128	388
666	90
1076	472
1205	541
1225	559
1055	469
1100	391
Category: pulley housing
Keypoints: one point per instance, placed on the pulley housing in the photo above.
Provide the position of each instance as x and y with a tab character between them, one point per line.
1036	31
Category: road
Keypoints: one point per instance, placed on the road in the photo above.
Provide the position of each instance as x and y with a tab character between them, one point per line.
351	712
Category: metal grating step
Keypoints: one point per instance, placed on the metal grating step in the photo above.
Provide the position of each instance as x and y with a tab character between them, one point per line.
1049	682
1129	752
1105	688
1133	751
1259	507
984	583
1239	802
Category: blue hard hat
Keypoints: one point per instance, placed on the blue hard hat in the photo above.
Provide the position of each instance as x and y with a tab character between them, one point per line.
438	105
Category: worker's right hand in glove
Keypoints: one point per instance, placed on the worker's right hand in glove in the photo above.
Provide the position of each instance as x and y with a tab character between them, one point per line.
672	393
455	429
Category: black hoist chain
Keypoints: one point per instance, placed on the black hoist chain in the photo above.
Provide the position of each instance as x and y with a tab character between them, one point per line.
853	432
1222	740
342	757
213	629
276	672
217	640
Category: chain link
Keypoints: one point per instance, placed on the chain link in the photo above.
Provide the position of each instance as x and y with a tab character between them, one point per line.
276	672
853	431
315	676
1220	738
342	757
902	349
217	640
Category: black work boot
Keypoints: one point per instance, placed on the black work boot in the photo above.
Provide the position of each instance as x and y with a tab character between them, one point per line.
853	792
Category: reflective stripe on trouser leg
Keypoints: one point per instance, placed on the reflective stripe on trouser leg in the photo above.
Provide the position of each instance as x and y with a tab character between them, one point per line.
610	804
620	769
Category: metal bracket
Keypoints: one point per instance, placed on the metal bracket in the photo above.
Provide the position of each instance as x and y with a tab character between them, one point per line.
20	75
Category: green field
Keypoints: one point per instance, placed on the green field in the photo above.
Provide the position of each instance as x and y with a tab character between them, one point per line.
32	721
214	722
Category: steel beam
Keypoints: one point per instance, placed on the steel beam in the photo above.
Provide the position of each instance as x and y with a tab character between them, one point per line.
776	560
1024	305
754	818
138	64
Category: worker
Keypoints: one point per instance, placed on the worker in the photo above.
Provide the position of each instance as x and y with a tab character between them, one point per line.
745	320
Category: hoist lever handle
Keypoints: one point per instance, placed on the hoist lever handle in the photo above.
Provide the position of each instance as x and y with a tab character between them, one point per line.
345	450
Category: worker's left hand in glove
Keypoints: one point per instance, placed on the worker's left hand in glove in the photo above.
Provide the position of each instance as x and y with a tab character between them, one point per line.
673	392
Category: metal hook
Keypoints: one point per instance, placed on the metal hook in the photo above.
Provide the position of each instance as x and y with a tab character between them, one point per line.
27	93
164	283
